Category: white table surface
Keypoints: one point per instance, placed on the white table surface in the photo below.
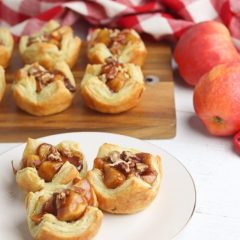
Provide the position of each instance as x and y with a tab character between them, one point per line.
215	169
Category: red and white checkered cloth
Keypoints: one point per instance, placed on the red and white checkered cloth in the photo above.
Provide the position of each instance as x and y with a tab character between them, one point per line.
158	18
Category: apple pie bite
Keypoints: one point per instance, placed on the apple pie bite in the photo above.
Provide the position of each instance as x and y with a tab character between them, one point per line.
124	45
125	180
43	164
40	91
53	43
2	82
6	46
112	87
64	212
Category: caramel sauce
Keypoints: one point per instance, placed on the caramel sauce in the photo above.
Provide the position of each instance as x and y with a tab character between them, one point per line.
118	167
69	85
51	160
44	77
69	204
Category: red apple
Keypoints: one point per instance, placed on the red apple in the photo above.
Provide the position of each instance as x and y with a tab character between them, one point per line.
202	47
217	99
236	142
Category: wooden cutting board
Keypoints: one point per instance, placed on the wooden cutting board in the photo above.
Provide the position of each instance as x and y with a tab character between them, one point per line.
153	118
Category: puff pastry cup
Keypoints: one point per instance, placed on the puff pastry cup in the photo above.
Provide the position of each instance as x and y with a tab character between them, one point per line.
6	46
125	180
43	163
51	44
2	82
126	46
112	87
41	92
64	212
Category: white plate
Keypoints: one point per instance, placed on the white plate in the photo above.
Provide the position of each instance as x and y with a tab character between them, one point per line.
165	218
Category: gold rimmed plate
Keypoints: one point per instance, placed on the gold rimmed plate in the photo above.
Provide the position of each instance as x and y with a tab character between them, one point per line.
163	219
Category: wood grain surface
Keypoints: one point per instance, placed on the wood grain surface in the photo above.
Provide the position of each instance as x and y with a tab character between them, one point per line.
153	118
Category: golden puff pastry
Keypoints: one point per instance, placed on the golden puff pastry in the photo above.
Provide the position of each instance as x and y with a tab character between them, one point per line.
2	82
41	92
43	163
112	87
51	44
64	212
126	46
6	46
125	180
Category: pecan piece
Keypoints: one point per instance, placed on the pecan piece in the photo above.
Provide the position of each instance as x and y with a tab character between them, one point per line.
114	74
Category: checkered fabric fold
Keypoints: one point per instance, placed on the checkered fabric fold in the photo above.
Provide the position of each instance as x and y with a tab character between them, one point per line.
157	18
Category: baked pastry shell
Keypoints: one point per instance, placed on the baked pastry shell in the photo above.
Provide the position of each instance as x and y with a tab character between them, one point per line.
99	97
132	53
52	99
29	180
132	196
6	49
46	53
50	228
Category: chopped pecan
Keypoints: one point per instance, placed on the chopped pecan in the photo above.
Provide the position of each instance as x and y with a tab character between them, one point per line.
141	167
128	164
75	158
114	74
149	177
114	156
44	77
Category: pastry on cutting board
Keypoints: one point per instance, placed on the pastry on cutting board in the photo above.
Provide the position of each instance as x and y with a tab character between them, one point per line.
6	46
2	82
43	164
112	87
53	43
125	180
64	212
126	46
40	91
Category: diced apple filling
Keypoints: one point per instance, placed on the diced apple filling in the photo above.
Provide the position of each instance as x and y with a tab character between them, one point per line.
67	205
118	167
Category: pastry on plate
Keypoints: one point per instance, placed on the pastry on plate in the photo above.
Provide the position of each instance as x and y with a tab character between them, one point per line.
43	164
40	91
2	82
6	46
124	45
112	87
51	44
125	180
64	212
